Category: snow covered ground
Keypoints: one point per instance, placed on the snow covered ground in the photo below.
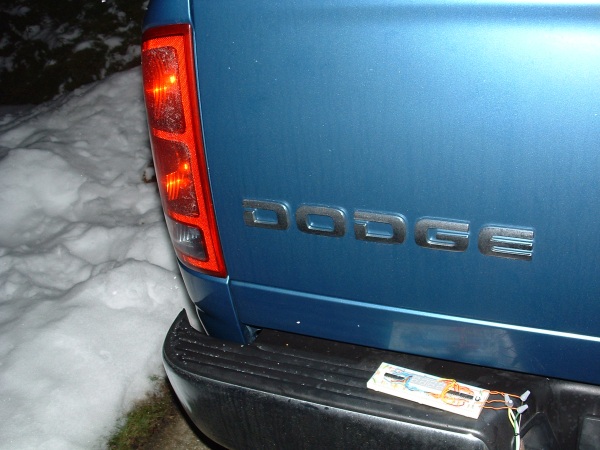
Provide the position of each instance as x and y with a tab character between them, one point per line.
88	281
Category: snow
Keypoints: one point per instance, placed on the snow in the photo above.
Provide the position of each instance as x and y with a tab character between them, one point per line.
88	281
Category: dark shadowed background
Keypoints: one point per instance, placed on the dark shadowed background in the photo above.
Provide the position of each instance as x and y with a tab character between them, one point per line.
48	47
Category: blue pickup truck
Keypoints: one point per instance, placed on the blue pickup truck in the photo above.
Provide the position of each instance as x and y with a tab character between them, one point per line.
387	214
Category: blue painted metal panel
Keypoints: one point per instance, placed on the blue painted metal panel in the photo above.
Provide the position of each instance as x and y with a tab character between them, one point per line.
523	349
479	112
212	298
167	12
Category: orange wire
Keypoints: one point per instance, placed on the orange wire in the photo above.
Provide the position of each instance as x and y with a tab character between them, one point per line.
499	401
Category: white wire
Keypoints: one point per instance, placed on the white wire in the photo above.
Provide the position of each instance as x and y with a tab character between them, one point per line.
516	423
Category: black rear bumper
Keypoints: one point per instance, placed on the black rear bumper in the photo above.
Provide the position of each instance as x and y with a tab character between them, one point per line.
294	392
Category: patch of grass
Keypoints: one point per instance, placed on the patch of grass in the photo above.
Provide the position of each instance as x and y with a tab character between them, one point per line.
146	418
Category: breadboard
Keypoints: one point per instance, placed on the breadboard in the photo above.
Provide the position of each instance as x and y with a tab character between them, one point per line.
442	393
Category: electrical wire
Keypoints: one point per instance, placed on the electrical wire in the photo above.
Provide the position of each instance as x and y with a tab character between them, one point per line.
450	395
514	413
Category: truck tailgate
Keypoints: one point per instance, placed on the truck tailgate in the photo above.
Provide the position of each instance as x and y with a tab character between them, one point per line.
470	129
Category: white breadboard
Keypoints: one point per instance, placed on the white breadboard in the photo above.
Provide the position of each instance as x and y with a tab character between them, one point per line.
442	393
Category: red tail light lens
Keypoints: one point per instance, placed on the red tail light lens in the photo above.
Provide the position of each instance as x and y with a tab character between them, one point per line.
177	147
173	164
163	91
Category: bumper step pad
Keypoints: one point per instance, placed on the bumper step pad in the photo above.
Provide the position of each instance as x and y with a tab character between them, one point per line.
296	392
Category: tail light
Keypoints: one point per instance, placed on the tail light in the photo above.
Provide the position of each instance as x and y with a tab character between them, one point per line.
177	147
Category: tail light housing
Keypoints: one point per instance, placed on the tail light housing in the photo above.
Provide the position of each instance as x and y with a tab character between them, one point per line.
177	147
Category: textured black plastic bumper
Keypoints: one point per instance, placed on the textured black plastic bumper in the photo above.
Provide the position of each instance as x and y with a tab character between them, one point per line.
294	392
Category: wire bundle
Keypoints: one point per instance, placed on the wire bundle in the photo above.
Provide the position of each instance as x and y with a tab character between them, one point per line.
458	395
506	401
514	412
